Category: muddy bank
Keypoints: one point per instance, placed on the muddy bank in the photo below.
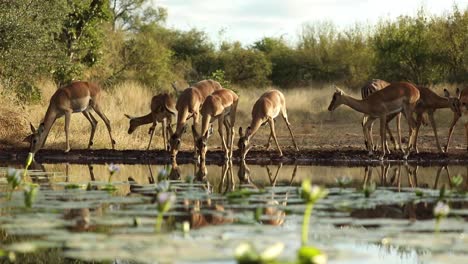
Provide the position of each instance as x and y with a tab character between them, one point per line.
335	157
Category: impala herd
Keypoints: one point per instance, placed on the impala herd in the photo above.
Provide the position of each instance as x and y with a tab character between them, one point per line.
380	100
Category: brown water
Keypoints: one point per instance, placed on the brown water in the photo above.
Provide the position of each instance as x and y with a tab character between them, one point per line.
395	224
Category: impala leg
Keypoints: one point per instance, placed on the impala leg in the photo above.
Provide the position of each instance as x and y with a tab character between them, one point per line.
93	123
408	111
195	124
67	129
433	124
290	132
398	125
370	135
286	120
230	136
367	134
452	125
152	129
383	123
414	144
390	135
267	146
221	135
363	122
101	114
168	133
163	131
272	128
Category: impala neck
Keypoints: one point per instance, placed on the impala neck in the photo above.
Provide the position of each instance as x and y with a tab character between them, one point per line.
254	126
181	120
142	120
440	102
49	120
358	105
206	120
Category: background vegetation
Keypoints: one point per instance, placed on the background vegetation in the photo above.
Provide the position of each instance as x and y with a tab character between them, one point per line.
126	46
119	40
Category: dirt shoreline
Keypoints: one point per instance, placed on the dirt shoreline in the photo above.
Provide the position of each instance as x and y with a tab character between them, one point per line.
335	157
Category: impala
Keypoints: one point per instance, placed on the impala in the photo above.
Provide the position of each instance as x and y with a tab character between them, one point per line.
265	110
368	89
428	103
77	97
398	97
463	97
162	110
217	107
188	106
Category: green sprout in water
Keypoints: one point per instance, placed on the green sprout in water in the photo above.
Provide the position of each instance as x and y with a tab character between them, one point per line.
457	182
246	254
165	200
441	210
14	180
163	174
369	189
343	181
30	192
310	194
28	162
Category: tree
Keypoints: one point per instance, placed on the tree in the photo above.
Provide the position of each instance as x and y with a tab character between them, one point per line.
245	67
404	50
28	47
128	14
81	37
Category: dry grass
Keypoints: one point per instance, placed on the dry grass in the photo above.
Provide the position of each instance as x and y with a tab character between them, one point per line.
307	110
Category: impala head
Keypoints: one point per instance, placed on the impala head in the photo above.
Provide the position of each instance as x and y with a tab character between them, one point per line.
201	142
35	140
133	124
174	141
454	101
337	99
244	142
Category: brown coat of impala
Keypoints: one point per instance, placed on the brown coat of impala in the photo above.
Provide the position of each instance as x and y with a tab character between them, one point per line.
188	106
217	107
77	97
428	103
463	104
162	111
366	90
397	97
266	109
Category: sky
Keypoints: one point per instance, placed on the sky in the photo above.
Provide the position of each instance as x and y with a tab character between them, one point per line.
250	20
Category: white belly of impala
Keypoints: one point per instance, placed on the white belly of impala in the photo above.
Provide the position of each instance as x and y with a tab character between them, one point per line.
81	104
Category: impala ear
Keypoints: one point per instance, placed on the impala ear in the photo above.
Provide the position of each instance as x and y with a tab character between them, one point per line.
446	93
40	129
28	138
248	131
33	129
240	132
458	93
184	129
338	90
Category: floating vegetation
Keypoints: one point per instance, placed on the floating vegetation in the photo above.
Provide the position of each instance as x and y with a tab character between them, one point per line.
256	219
